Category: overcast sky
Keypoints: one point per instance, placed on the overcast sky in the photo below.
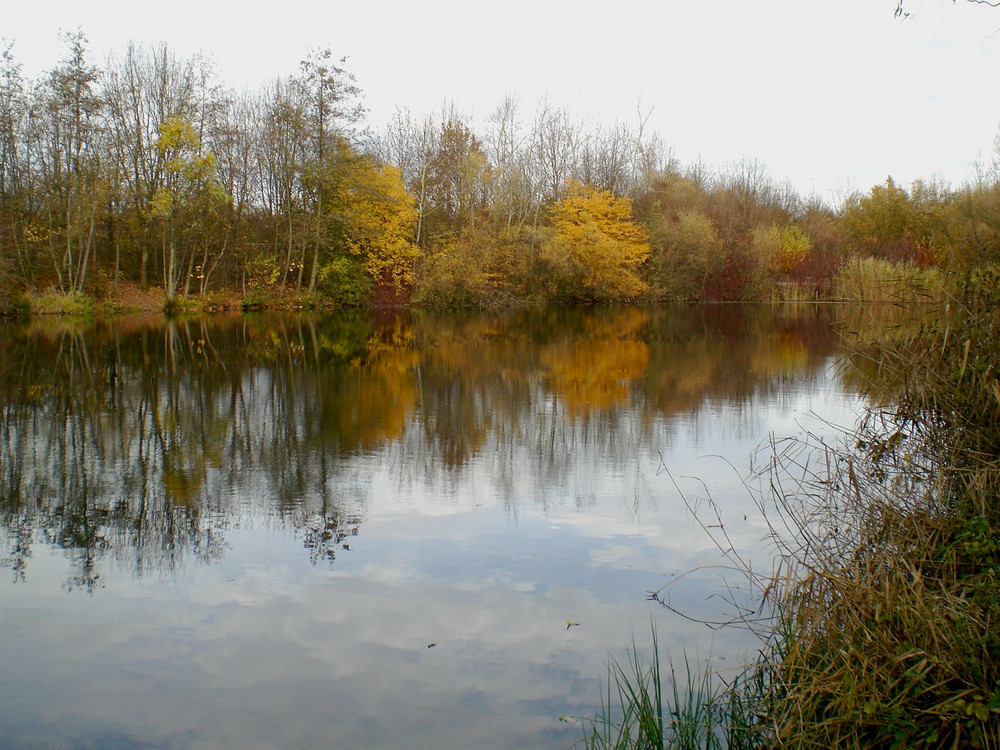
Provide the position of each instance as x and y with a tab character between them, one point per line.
833	95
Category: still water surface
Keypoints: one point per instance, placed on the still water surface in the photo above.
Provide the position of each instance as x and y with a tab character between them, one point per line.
375	532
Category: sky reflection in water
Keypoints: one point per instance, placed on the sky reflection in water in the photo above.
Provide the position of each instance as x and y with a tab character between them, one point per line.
249	532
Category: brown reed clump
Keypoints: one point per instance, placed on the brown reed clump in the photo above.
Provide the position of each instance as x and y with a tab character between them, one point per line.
863	280
888	599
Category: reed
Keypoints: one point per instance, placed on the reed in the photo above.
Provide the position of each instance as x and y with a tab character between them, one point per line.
890	585
881	623
866	279
644	707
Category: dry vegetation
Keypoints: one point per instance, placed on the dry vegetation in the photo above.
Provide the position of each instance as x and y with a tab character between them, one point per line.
886	629
880	625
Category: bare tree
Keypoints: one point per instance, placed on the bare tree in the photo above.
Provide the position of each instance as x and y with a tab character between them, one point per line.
333	110
141	90
14	173
555	144
66	139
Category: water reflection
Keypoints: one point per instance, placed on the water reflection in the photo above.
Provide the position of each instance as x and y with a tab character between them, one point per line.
365	486
141	441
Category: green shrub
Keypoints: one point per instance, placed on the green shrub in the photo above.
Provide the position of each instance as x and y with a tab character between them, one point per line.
53	302
345	282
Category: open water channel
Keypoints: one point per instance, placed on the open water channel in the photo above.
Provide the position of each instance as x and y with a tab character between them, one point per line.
381	532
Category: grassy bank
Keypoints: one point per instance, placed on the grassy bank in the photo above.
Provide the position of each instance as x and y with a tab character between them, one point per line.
858	280
129	298
881	626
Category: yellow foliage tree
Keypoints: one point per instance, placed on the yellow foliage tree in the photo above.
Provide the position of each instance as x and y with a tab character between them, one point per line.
380	217
780	249
595	249
189	206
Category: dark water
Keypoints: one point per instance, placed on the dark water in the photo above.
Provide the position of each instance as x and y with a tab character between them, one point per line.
374	532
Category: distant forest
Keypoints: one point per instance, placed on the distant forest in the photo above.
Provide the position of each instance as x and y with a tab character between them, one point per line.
150	172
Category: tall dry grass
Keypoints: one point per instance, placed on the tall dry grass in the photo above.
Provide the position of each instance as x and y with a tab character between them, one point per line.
866	279
880	623
888	593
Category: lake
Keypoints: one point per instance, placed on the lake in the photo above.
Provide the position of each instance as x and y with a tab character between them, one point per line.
399	530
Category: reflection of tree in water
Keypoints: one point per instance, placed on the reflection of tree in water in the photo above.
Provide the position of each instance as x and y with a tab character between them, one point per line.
323	533
562	380
728	354
144	447
144	443
595	370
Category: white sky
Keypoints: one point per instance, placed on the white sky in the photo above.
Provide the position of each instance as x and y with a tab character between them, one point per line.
833	95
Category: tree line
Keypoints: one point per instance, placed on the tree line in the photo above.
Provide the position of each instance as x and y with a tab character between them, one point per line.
149	171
